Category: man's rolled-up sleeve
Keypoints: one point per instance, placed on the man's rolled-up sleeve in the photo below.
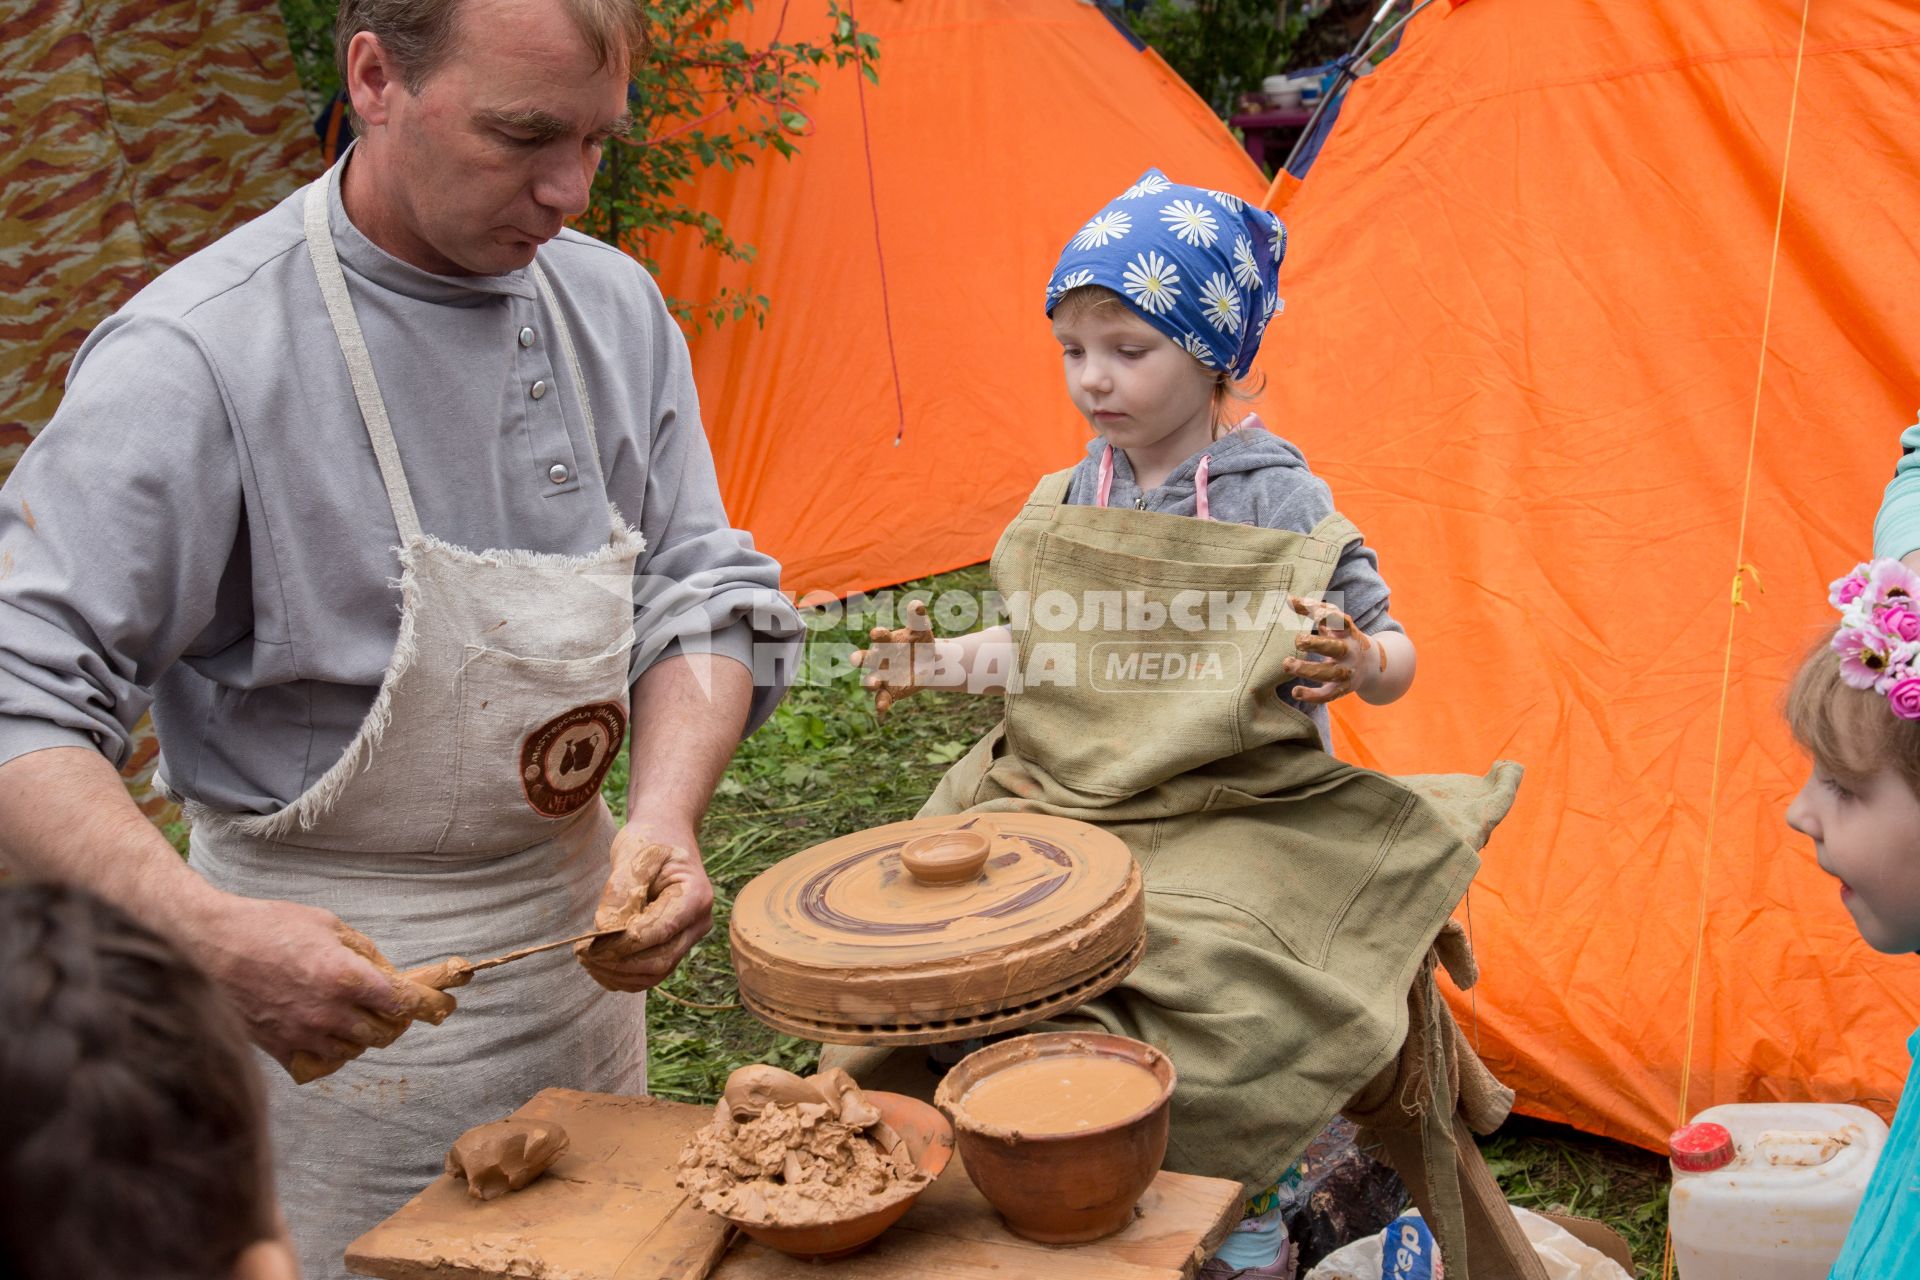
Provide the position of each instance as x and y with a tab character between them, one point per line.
115	530
701	586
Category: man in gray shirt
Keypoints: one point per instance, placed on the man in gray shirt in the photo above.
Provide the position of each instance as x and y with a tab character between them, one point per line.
410	354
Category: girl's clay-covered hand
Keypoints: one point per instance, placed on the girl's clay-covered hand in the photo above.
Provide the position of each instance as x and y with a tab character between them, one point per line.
898	661
1344	658
406	1000
658	892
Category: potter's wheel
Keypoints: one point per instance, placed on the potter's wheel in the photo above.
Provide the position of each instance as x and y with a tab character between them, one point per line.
938	929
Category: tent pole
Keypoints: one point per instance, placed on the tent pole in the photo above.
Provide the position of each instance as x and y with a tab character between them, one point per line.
1360	52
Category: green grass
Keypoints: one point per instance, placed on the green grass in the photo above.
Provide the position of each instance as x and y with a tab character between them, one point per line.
1555	1169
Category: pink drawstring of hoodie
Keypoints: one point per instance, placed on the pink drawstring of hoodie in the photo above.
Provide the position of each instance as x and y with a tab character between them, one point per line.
1200	509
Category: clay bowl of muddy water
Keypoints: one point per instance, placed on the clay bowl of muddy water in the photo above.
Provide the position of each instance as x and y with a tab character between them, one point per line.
929	1140
1061	1131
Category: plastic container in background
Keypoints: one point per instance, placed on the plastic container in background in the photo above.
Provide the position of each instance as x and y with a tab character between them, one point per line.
1766	1190
1280	93
1562	1256
1313	82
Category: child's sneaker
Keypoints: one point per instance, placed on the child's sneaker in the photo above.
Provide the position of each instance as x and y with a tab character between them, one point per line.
1281	1268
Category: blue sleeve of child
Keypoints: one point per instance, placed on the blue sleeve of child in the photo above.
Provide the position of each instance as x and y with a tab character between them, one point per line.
1880	1243
1896	530
1357	586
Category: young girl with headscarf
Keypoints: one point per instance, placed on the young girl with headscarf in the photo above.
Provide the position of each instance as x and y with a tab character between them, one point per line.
1184	603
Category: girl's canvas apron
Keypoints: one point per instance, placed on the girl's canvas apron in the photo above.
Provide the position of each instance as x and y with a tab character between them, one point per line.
465	818
1291	898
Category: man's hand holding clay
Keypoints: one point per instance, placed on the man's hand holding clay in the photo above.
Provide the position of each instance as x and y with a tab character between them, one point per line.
315	993
658	892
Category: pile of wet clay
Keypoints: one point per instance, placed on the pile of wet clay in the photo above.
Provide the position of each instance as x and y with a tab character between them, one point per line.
792	1152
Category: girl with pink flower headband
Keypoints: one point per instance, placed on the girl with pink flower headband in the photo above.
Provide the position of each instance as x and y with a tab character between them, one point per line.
1855	709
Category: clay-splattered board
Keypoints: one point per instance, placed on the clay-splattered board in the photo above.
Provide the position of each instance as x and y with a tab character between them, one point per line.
951	1233
608	1210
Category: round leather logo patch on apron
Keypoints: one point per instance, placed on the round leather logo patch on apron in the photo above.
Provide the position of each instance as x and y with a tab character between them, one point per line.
563	762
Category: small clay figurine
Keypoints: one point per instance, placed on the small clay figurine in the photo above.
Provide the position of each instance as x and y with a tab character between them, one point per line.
505	1155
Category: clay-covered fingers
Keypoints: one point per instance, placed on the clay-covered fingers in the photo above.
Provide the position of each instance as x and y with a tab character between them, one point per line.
634	864
1336	685
399	996
378	1005
306	1067
1332	626
640	897
1326	646
1321	614
644	970
892	664
422	1003
659	896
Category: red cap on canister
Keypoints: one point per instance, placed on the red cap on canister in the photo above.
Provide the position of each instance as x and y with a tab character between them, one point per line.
1701	1148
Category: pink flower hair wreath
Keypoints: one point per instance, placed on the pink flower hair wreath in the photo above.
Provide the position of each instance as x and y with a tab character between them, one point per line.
1879	637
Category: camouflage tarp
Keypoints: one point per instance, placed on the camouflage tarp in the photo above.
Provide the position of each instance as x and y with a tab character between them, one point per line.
136	131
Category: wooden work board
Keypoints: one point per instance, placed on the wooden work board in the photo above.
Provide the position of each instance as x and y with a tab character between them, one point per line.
609	1210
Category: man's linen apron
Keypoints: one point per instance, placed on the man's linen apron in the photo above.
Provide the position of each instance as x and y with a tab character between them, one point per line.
464	819
1291	898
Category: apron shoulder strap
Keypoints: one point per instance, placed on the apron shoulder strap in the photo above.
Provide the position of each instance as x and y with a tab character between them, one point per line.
1052	489
1338	530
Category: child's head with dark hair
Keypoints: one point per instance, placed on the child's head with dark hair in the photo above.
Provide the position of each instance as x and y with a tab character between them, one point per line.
1861	803
133	1138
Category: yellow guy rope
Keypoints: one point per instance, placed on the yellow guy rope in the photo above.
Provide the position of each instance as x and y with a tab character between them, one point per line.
1736	602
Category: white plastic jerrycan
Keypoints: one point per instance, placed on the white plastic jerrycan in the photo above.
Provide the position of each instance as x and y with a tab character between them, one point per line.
1766	1190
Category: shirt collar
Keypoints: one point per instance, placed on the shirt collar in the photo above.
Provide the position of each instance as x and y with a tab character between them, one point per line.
372	263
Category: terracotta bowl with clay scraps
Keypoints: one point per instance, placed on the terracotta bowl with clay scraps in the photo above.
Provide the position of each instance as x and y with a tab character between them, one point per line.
1063	1187
929	1140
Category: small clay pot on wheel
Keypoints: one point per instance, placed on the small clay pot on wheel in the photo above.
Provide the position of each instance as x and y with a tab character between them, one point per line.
1071	1185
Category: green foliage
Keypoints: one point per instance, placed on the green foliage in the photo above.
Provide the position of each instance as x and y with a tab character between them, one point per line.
310	37
1223	48
699	99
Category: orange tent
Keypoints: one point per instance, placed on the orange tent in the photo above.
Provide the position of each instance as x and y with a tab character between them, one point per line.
1526	295
1523	337
996	129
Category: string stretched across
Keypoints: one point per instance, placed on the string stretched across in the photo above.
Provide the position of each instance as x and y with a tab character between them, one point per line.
1735	603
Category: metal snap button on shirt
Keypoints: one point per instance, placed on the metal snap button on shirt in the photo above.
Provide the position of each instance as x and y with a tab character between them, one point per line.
539	388
526	337
558	473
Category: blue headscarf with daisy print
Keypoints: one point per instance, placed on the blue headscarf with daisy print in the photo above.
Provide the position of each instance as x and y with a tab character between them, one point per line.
1200	266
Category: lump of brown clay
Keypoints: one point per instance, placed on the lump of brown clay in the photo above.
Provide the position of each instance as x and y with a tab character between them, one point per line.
505	1155
792	1152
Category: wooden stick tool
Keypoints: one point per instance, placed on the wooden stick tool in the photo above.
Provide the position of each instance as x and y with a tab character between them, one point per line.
458	971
